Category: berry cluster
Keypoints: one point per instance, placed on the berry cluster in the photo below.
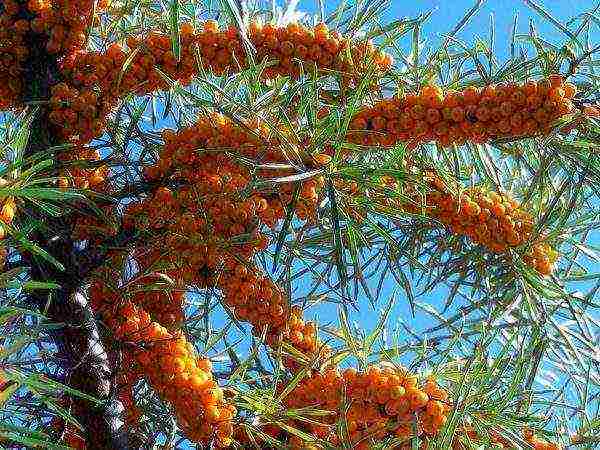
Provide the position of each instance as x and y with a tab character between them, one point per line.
13	51
220	51
219	177
77	112
200	221
296	47
257	300
105	74
475	115
165	305
376	404
494	220
169	363
56	25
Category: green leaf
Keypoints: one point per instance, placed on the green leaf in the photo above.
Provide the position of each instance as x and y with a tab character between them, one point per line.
36	250
174	26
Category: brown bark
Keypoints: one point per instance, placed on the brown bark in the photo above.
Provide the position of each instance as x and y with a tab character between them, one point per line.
80	347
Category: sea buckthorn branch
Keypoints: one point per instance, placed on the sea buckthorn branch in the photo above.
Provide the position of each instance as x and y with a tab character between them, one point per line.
475	115
95	81
472	115
491	219
210	199
220	51
381	403
167	361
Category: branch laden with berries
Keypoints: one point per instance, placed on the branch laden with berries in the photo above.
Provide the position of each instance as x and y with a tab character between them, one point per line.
182	198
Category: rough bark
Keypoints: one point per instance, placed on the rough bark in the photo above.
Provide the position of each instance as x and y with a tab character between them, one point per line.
79	344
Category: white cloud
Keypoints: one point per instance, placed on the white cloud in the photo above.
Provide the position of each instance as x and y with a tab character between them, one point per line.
289	13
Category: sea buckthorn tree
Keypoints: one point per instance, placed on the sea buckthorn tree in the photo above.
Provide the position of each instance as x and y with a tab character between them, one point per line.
233	225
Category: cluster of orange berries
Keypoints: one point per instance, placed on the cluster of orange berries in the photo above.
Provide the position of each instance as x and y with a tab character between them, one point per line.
168	362
212	207
296	46
255	299
63	22
475	115
216	173
219	51
76	112
494	220
199	221
190	250
382	402
164	305
104	73
13	51
58	24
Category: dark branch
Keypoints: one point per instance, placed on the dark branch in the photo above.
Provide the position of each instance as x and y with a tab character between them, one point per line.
84	356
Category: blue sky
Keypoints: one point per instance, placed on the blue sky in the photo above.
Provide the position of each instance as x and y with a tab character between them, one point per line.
448	13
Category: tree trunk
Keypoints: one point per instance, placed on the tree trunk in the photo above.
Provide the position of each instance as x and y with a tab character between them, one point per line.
81	350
